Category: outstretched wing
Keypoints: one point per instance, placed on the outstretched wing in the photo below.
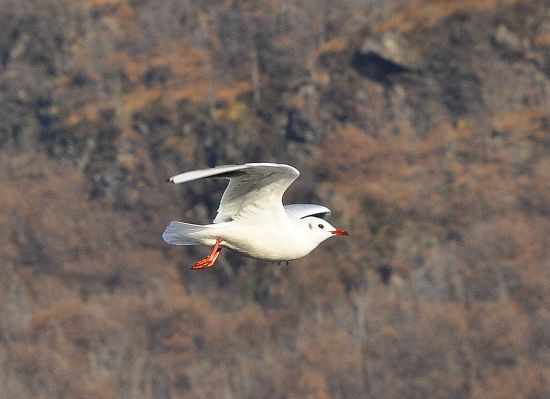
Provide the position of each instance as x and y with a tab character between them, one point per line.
254	189
300	211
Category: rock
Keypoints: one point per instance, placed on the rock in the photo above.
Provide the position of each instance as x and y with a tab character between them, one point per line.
375	67
379	58
507	39
298	128
386	46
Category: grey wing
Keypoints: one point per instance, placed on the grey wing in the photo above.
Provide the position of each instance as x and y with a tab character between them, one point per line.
254	189
299	211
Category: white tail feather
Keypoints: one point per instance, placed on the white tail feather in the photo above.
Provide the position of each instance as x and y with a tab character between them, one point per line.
179	233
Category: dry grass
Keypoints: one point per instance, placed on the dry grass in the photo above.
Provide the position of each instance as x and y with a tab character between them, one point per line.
423	14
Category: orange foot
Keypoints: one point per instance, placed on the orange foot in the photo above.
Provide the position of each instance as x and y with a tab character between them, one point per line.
210	259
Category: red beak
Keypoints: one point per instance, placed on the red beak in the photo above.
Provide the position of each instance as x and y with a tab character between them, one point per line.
339	232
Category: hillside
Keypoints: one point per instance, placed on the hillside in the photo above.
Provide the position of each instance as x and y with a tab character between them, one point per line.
423	125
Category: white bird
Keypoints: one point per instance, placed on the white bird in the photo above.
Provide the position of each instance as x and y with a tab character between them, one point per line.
251	218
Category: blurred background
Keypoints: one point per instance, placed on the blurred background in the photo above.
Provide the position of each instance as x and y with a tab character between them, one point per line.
423	125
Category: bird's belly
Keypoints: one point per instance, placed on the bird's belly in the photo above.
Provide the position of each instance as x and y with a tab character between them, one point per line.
264	244
267	251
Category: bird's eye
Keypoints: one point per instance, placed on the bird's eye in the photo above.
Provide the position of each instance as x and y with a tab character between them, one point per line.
320	226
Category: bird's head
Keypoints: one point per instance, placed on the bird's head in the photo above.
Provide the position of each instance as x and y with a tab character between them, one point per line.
319	229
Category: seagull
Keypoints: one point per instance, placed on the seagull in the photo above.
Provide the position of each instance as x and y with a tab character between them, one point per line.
251	218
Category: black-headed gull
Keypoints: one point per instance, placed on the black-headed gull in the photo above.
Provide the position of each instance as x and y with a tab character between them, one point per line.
251	218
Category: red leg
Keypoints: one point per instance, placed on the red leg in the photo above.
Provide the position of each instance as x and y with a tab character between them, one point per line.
210	259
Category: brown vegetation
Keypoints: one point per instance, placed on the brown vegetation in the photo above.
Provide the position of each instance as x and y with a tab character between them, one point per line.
423	125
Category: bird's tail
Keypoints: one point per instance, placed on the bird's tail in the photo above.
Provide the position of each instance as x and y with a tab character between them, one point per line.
179	233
